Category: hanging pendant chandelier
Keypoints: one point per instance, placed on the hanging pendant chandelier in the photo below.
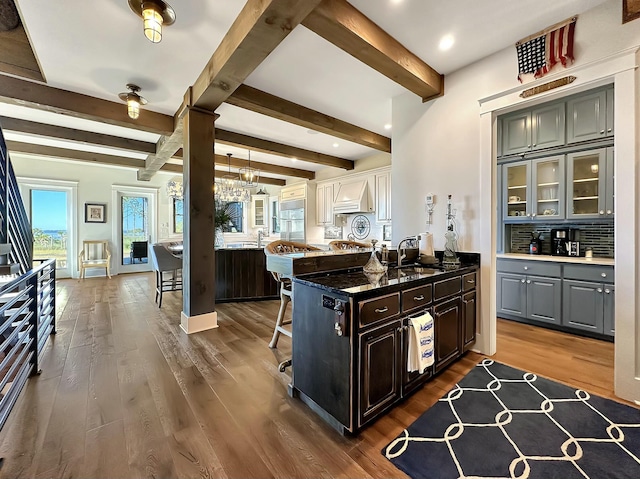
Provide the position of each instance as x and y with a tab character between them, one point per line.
228	188
249	177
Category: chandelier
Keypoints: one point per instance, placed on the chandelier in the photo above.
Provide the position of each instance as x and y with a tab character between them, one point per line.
249	176
229	189
174	187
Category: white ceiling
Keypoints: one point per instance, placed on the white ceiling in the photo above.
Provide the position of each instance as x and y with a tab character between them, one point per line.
97	51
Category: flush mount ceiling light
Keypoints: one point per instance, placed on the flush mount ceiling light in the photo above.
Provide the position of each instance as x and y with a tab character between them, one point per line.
133	100
446	43
154	13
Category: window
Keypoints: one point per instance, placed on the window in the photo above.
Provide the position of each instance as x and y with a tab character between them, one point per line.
178	214
236	210
134	224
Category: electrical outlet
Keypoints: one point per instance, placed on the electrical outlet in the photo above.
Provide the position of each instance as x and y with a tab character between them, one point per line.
430	199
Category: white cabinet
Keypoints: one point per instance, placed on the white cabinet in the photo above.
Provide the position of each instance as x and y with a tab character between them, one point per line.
293	192
274	215
383	196
260	211
324	204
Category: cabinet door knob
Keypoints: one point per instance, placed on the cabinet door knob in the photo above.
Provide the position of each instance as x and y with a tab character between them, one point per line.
534	144
382	310
604	275
528	146
608	291
522	281
526	268
602	132
533	214
608	130
601	212
528	281
609	212
599	290
529	215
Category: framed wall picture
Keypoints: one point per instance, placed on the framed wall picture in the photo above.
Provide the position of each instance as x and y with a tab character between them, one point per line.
630	10
95	213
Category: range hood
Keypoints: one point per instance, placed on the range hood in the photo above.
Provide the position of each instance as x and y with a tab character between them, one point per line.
352	197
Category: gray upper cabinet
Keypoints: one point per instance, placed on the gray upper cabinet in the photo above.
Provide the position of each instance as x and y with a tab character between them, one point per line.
548	198
531	130
516	133
590	116
547	126
516	191
590	184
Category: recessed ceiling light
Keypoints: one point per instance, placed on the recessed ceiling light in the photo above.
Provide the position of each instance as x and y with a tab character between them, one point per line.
446	43
396	1
387	126
294	159
336	145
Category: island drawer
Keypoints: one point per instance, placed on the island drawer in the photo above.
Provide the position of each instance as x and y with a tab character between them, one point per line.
468	281
447	287
536	268
588	272
416	297
374	310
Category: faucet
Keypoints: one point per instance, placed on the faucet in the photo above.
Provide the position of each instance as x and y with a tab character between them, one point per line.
400	249
260	238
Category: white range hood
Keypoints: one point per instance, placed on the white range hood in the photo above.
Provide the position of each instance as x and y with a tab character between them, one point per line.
352	197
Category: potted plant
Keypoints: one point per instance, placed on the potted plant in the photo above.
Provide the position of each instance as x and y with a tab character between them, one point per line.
224	216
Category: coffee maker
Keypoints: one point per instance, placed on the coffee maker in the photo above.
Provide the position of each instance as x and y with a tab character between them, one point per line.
559	238
565	242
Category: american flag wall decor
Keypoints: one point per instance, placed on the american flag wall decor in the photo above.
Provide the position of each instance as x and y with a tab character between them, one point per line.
538	53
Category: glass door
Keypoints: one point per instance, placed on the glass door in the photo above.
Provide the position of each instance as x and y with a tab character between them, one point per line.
516	180
51	206
274	215
586	184
135	229
549	186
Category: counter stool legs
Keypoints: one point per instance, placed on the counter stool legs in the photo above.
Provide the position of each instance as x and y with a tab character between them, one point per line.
285	298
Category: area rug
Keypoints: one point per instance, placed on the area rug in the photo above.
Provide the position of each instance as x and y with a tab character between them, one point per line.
500	422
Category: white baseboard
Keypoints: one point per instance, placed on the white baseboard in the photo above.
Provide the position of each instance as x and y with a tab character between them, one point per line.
201	322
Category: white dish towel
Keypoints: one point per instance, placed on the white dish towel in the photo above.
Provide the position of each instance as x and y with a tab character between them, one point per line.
420	342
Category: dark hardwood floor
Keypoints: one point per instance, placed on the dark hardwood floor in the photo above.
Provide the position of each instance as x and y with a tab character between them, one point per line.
124	393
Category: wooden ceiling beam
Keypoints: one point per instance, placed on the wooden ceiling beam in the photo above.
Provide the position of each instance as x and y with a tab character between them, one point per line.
67	154
266	104
222	160
72	134
338	22
272	148
255	33
263	179
42	97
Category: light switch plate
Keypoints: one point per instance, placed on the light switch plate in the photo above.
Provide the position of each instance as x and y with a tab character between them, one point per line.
430	199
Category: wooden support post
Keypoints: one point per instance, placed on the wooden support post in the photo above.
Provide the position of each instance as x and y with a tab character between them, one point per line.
198	270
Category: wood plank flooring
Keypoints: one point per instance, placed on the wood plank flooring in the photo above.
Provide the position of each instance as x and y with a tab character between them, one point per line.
124	393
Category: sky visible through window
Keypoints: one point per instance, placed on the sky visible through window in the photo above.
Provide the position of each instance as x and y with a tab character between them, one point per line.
49	210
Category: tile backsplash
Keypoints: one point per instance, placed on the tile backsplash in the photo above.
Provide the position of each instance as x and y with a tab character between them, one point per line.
598	236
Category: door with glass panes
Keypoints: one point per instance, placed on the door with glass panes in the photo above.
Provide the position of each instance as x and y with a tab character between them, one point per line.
587	185
548	188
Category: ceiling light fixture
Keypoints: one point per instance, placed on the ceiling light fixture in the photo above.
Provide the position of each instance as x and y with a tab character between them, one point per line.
387	126
446	43
133	100
155	14
249	177
336	145
227	189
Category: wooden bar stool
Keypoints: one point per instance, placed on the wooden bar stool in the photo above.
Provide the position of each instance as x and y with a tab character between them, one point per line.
340	245
284	247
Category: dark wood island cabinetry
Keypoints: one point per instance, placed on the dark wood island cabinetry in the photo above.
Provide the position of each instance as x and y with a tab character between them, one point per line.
241	275
351	337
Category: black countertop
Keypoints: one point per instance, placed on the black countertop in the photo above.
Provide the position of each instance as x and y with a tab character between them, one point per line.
354	282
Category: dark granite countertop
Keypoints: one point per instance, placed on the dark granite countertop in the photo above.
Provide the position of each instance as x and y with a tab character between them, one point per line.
354	281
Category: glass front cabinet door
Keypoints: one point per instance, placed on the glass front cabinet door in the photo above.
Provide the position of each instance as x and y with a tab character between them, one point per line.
548	188
516	199
586	184
260	218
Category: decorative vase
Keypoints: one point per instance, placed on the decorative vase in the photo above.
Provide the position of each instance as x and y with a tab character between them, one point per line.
218	241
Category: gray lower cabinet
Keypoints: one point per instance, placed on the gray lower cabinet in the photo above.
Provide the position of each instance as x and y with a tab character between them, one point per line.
577	296
544	299
530	297
589	306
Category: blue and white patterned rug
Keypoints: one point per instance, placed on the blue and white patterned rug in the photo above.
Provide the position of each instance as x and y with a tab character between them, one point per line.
500	422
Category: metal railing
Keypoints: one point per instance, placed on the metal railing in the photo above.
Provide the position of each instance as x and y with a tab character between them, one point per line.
27	318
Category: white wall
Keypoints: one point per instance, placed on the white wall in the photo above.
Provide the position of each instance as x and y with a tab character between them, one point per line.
95	186
377	160
438	148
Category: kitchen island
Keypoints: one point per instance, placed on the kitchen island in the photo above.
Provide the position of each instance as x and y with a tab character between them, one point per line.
350	335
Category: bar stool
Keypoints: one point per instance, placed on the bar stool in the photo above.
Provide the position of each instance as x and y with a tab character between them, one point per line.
340	245
284	247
